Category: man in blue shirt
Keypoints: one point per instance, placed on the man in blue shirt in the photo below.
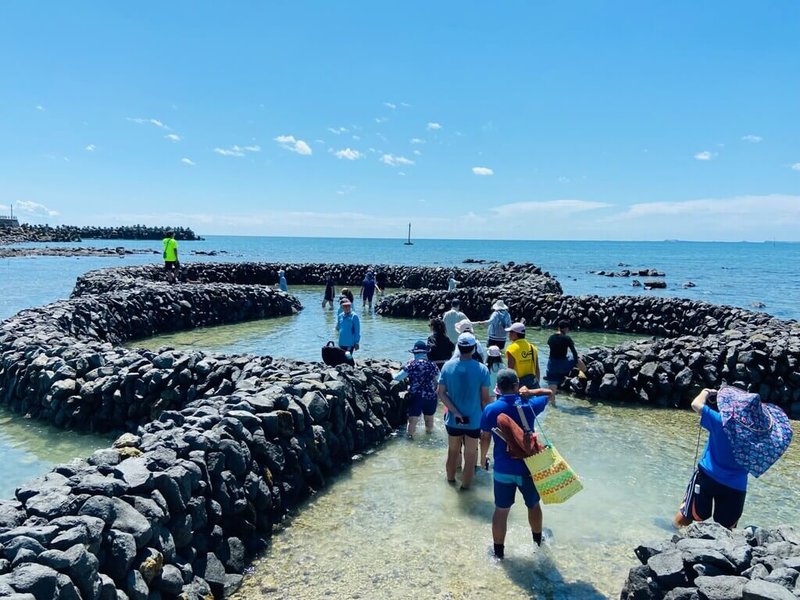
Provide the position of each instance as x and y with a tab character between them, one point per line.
511	474
348	326
719	485
464	390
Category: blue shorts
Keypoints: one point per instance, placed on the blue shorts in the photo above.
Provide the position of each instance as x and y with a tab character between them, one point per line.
558	369
418	405
505	488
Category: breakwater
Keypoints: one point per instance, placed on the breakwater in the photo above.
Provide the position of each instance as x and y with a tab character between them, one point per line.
708	561
71	233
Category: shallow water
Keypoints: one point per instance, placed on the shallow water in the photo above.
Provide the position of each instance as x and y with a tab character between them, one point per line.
301	336
29	448
391	527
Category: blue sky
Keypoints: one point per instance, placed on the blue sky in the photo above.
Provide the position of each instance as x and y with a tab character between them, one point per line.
531	120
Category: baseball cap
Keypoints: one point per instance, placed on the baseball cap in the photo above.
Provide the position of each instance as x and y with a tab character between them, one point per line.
517	328
420	347
466	339
506	378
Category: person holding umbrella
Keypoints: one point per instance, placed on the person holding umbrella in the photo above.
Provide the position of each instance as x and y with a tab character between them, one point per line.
744	436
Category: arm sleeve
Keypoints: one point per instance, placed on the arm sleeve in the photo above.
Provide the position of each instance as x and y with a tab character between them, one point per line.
538	404
572	349
356	330
401	375
486	421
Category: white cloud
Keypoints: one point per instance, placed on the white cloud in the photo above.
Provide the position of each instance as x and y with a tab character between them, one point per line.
173	137
563	207
704	155
753	139
433	126
90	148
394	161
563	179
141	121
39	107
237	150
188	161
390	105
416	152
417	141
380	120
338	130
229	152
34	209
483	171
796	166
349	154
289	142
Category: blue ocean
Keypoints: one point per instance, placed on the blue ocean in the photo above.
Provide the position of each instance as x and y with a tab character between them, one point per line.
740	274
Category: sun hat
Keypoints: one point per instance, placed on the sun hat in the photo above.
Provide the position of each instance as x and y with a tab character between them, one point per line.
466	339
499	305
463	326
493	351
759	433
517	328
420	347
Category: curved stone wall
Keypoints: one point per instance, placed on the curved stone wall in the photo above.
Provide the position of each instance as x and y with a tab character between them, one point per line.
225	445
351	275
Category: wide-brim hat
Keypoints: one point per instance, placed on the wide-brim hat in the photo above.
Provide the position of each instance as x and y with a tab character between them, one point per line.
420	347
499	305
464	325
759	433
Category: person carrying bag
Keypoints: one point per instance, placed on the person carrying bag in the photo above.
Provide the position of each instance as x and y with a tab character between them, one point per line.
513	447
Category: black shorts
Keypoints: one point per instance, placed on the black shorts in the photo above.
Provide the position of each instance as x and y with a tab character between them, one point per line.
456	432
499	343
705	497
170	265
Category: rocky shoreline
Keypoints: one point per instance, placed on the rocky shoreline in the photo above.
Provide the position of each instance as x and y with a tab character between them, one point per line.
219	448
70	233
708	562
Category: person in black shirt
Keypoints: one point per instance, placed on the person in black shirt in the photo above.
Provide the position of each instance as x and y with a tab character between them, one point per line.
330	291
441	348
381	281
558	365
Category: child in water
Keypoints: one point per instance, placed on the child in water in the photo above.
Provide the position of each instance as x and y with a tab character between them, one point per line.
494	362
423	378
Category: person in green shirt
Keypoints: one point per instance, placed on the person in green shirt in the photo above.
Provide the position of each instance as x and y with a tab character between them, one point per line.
171	264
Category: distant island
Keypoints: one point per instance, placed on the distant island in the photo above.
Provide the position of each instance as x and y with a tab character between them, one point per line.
70	233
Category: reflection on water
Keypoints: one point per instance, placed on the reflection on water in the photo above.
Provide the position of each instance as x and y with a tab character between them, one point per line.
301	336
393	528
29	448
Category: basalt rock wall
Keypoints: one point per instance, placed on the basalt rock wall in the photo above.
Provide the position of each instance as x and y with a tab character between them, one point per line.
219	449
179	509
708	561
348	275
62	362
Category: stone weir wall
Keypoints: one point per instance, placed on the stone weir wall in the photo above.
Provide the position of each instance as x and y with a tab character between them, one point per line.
709	562
61	362
177	507
408	277
698	344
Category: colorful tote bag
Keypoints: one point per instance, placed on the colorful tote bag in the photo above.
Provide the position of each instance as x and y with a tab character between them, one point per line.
554	479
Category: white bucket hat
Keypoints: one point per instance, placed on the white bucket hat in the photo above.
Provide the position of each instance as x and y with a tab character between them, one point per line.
499	305
463	326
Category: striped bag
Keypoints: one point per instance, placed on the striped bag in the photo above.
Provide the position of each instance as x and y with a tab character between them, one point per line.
554	479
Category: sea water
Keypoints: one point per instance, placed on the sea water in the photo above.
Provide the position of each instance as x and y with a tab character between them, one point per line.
390	526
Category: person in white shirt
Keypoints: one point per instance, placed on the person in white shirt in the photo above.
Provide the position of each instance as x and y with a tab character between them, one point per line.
451	317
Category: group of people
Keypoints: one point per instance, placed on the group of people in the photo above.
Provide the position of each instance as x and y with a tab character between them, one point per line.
745	435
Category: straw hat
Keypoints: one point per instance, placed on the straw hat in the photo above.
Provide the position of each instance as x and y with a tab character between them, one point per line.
463	326
759	433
